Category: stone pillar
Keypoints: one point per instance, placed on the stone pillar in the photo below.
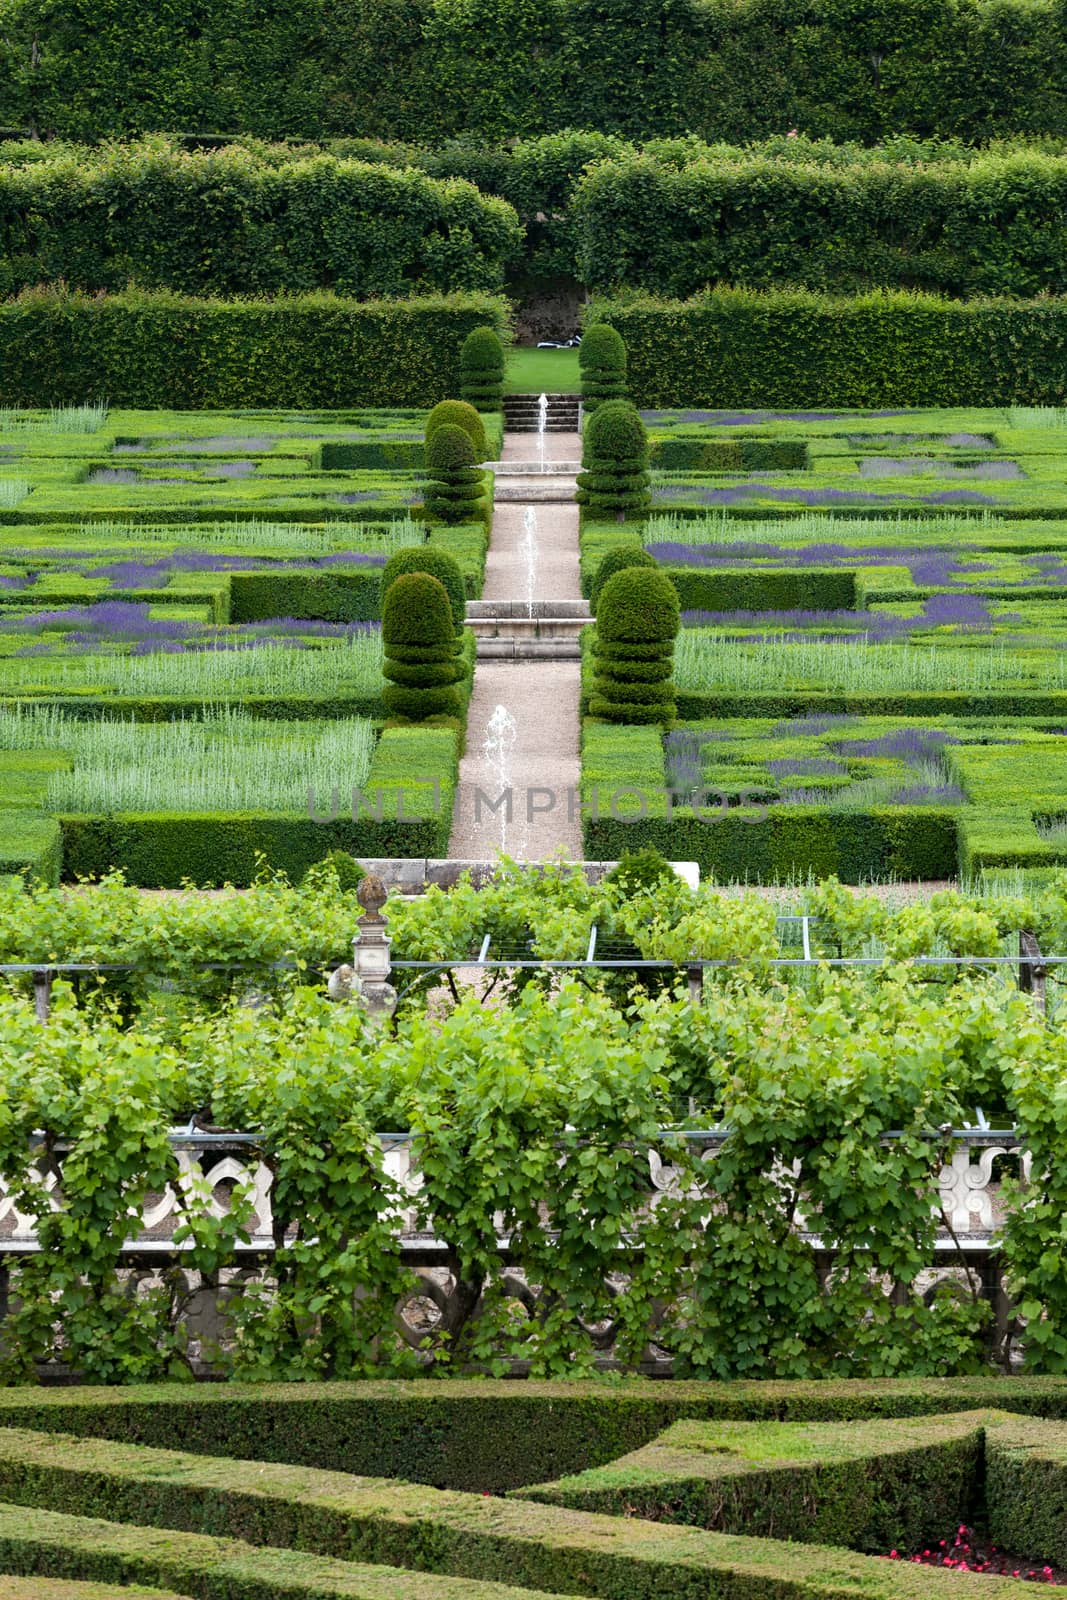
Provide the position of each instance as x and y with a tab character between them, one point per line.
367	979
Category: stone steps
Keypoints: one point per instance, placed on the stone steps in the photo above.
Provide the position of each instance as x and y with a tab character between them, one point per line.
518	630
547	488
522	413
532	469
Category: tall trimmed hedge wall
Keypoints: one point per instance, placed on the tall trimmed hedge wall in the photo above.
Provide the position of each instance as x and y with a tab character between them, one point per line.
991	226
229	223
422	70
144	349
799	349
668	216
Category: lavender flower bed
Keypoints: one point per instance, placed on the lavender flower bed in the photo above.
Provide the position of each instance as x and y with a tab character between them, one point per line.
929	794
85	629
220	444
957	441
741	493
116	475
918	466
135	574
968	613
931	567
904	744
805	767
917	751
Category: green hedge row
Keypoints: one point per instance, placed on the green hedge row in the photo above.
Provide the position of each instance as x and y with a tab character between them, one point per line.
992	226
225	224
145	349
479	1434
906	703
423	72
864	1486
325	596
1026	1488
49	1546
400	1525
810	589
796	349
696	454
919	842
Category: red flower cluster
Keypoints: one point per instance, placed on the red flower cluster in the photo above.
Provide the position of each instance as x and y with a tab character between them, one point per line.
964	1556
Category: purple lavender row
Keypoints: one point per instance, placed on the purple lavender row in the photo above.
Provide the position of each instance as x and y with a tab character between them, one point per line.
966	612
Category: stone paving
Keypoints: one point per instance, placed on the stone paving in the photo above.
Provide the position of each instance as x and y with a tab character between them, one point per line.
533	760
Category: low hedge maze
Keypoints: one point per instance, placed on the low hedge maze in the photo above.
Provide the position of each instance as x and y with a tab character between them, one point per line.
175	570
252	1491
868	680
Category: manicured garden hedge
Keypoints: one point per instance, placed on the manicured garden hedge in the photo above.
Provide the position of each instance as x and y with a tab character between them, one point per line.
329	596
796	348
76	1548
693	453
53	1485
144	349
862	1485
424	72
988	227
407	1525
904	843
1026	1482
477	1434
225	224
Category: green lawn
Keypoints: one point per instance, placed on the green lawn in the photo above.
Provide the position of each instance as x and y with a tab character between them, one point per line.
542	372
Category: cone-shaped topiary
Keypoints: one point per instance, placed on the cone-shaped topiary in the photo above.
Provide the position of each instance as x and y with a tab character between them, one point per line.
455	491
602	364
481	370
459	414
440	565
617	559
616	479
418	640
638	618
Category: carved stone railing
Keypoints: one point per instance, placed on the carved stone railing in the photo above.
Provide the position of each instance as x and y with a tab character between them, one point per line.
968	1191
967	1199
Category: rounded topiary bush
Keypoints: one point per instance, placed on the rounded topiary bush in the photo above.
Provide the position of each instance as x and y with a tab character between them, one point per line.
440	565
639	605
638	618
455	491
615	478
616	433
481	369
602	364
450	449
418	637
618	559
459	414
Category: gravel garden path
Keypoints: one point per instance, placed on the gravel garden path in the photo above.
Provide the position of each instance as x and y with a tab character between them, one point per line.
523	728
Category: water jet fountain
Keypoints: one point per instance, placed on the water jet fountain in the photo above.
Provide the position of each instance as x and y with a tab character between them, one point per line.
529	554
500	735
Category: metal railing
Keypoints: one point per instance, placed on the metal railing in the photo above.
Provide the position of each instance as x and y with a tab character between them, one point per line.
1032	968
